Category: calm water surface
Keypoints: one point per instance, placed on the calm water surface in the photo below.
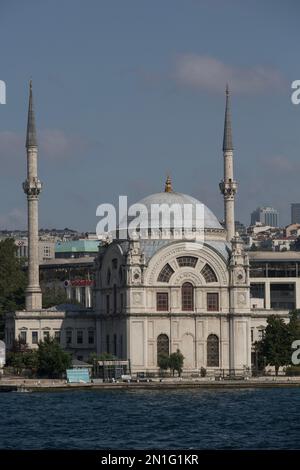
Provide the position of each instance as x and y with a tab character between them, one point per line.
164	419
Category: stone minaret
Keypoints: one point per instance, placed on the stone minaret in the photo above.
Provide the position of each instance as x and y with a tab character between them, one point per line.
32	188
228	185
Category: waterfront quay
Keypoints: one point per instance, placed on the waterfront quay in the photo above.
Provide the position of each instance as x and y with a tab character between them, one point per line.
46	385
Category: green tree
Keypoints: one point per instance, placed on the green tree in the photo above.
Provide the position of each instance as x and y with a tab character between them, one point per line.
176	362
294	325
93	357
12	280
16	361
52	359
106	357
163	361
52	296
19	345
23	360
276	344
259	361
31	360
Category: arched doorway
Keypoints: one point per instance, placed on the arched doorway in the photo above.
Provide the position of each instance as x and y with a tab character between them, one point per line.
213	351
163	346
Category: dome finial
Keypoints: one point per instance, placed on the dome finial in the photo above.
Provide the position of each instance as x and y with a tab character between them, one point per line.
168	185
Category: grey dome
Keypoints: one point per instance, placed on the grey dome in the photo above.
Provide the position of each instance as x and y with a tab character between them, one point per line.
170	198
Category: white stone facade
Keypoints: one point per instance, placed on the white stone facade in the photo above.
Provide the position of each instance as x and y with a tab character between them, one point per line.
127	321
75	331
128	283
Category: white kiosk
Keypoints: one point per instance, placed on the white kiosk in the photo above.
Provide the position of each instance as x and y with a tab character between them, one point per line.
2	356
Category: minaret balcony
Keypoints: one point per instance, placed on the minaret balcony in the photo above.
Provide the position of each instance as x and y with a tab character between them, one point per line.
32	187
228	188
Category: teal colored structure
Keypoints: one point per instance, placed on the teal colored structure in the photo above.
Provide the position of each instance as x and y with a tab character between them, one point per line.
81	375
77	246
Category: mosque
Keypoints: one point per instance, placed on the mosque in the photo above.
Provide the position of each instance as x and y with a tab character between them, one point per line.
152	296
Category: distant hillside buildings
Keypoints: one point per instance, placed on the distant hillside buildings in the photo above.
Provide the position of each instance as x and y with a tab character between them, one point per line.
55	243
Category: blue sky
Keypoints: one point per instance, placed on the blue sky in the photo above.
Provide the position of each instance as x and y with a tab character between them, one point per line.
127	91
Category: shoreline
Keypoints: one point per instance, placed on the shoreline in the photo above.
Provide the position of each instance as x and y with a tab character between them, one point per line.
31	385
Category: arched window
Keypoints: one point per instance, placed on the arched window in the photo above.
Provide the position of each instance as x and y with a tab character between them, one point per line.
212	351
108	277
115	345
187	297
165	273
163	345
187	261
209	274
115	298
114	263
107	303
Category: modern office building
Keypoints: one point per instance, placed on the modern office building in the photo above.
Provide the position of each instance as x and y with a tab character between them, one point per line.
265	215
295	213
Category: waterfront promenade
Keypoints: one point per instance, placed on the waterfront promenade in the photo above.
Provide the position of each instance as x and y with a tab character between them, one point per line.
20	384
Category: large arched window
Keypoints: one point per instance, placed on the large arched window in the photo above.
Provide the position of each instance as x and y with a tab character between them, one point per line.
166	273
115	298
190	261
187	296
120	275
209	274
163	345
212	351
108	277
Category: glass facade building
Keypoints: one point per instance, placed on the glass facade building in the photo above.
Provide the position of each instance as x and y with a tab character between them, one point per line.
266	216
295	213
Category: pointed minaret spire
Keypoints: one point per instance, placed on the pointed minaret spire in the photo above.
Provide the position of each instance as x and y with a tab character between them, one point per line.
168	185
228	185
32	187
227	139
31	132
